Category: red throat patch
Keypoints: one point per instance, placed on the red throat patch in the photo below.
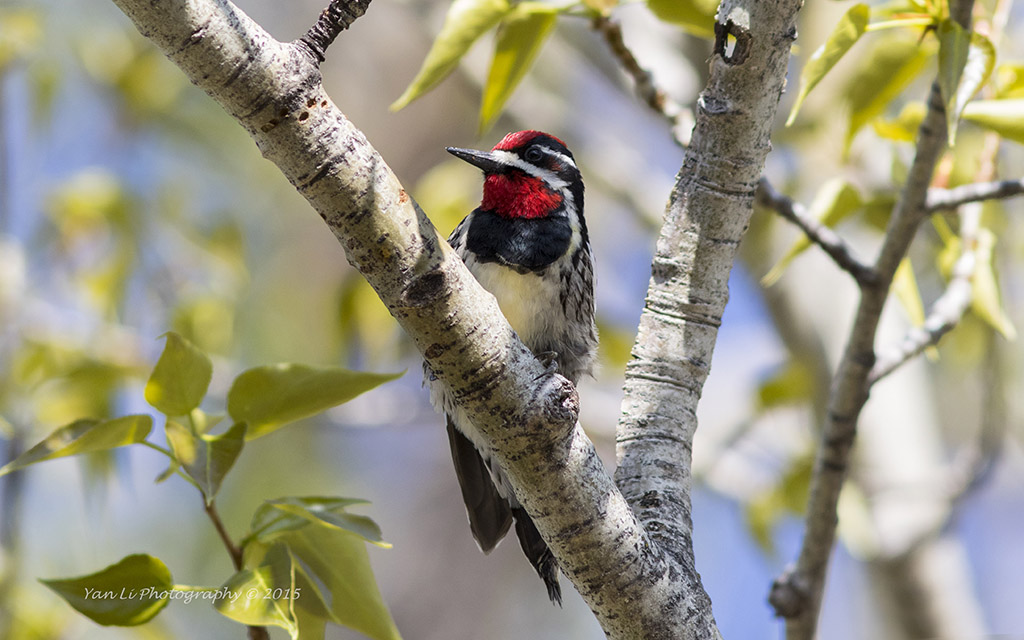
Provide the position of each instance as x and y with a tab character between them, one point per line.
515	195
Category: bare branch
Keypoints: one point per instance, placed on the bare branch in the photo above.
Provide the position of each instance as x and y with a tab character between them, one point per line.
829	241
679	117
940	199
338	16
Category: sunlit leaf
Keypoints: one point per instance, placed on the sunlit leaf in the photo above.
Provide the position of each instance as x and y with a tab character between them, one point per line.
367	327
330	512
269	521
207	322
885	70
1009	80
986	301
21	31
92	198
616	345
269	397
791	383
604	7
465	22
519	39
1005	117
695	16
904	286
851	27
124	594
205	458
339	561
84	436
836	200
904	127
263	595
787	497
180	378
966	60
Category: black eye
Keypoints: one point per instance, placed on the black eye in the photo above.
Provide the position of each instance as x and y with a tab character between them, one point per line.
534	154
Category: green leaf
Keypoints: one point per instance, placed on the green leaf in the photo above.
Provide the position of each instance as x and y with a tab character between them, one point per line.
788	496
1005	117
851	27
966	60
180	378
84	436
263	595
269	397
1010	80
330	512
695	16
268	521
904	286
986	302
21	31
904	127
884	72
465	22
205	458
124	594
790	384
340	563
519	39
836	200
603	7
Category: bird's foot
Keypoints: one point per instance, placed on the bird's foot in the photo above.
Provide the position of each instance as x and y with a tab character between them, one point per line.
550	361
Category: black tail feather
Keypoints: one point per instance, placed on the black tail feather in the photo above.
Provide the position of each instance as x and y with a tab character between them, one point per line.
489	514
538	553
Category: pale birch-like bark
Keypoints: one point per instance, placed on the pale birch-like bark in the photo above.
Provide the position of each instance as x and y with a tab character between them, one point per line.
708	212
273	90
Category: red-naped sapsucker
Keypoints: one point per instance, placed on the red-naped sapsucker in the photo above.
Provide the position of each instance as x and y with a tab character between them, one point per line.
527	244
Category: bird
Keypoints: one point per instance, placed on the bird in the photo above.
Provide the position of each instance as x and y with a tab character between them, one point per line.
527	244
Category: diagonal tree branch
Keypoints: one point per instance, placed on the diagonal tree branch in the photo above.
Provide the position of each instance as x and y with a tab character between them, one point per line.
274	90
679	118
829	241
797	594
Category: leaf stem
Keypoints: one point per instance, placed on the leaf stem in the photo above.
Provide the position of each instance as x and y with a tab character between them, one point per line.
255	633
156	447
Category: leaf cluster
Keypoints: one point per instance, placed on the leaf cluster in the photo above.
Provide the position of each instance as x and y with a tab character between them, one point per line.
304	561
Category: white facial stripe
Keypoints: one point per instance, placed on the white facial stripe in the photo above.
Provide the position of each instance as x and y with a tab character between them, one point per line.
564	159
537	172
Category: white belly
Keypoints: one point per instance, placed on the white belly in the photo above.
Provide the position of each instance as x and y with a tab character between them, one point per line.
531	303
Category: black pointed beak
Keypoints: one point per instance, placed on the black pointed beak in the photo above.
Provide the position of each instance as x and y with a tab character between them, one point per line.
483	160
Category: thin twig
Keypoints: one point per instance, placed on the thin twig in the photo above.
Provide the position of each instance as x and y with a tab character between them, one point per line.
829	241
218	524
948	309
255	632
337	17
940	199
679	117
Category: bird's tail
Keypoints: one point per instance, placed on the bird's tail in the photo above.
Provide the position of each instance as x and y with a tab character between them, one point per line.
538	553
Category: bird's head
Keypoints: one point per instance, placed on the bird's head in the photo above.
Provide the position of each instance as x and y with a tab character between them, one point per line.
529	174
